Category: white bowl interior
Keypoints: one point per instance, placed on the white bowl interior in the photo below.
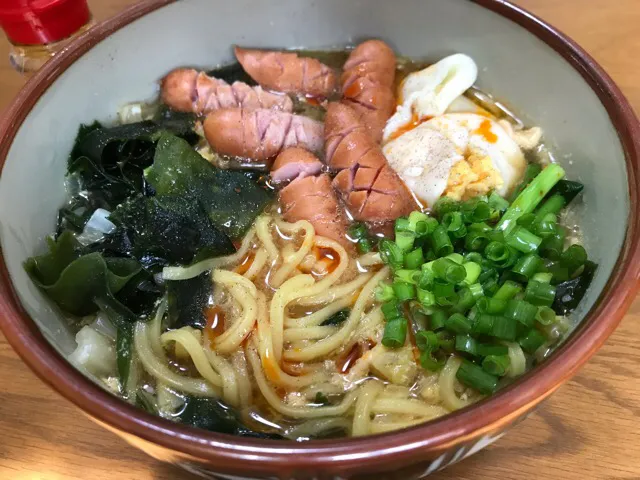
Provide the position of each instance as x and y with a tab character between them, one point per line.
514	65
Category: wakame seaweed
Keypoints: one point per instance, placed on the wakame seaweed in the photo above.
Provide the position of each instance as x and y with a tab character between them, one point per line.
569	294
79	283
337	318
231	199
230	73
107	163
166	230
213	415
187	300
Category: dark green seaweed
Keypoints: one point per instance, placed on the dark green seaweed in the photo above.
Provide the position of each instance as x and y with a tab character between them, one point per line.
211	414
187	300
569	294
232	199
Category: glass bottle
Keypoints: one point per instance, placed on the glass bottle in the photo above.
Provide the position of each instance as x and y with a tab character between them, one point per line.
38	29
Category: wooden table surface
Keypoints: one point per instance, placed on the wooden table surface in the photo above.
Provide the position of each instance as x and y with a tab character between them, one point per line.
588	430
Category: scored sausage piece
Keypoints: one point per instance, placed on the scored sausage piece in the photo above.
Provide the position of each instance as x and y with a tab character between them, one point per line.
295	163
370	188
287	72
187	90
260	134
367	84
313	199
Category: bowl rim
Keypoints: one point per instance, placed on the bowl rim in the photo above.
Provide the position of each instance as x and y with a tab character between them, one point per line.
371	453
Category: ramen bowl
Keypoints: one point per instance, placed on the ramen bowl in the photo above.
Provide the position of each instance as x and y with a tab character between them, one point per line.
546	78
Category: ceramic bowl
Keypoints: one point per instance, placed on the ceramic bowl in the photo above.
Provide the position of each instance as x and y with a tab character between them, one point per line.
545	77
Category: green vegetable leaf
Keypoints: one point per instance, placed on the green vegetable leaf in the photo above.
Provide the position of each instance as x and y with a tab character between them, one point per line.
231	199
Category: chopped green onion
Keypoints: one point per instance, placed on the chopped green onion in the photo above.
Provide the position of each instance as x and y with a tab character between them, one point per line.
427	340
497	253
528	265
476	240
490	286
408	276
508	290
395	333
543	277
456	257
473	257
454	224
540	294
558	273
553	205
532	341
365	245
431	363
473	272
357	231
475	377
496	364
465	343
402	225
443	290
545	316
466	300
484	324
486	349
552	245
417	216
544	228
391	310
458	323
521	311
438	319
445	205
496	202
530	197
476	210
384	292
404	291
532	171
573	258
405	240
391	254
491	306
526	220
523	240
426	279
504	328
442	245
425	297
447	269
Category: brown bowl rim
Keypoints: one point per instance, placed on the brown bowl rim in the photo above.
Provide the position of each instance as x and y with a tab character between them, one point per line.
368	453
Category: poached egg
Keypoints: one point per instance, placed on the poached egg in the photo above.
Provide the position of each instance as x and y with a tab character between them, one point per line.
460	155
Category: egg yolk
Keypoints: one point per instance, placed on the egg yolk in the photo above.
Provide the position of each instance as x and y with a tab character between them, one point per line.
472	177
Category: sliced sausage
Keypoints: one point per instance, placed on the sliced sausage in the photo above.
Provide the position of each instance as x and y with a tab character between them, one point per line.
313	199
295	163
367	85
187	90
287	72
370	188
260	134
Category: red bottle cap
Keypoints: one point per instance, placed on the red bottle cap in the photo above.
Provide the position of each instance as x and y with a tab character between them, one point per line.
38	22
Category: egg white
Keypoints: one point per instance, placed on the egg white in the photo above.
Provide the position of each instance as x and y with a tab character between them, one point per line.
431	91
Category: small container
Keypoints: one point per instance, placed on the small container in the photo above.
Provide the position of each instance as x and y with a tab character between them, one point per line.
38	29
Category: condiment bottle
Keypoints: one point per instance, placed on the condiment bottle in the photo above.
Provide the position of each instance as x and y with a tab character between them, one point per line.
38	29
